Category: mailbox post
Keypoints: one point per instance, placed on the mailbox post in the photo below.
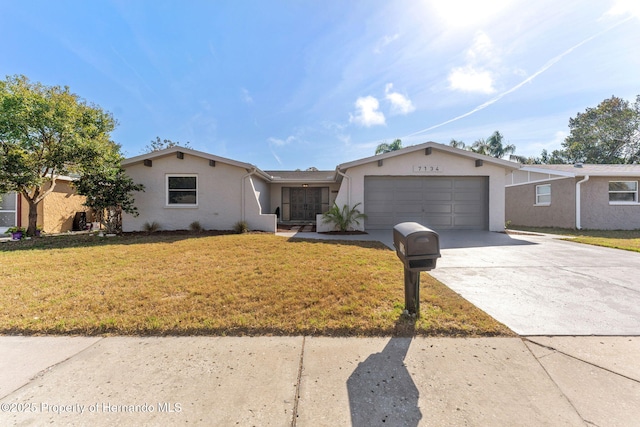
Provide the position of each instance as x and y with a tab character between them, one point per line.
418	247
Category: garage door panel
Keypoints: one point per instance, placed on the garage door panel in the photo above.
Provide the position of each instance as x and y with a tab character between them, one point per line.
438	209
440	221
437	197
437	202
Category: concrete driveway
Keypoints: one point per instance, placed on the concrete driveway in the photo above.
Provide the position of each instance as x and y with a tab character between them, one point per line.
540	285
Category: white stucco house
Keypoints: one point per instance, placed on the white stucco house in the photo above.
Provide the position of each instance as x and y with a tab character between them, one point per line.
436	185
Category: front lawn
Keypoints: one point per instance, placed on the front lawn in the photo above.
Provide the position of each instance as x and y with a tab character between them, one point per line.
628	240
247	284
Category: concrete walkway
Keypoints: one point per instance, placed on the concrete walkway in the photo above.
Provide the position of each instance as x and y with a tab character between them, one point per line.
298	381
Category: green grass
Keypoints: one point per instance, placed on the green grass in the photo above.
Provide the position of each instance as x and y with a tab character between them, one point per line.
628	240
251	284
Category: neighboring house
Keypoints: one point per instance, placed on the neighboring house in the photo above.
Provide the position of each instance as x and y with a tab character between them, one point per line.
602	197
56	213
434	184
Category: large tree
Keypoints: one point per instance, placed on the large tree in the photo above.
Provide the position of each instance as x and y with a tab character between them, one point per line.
161	144
493	146
108	191
46	132
609	133
386	147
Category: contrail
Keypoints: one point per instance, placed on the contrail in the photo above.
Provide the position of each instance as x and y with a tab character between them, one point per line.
544	68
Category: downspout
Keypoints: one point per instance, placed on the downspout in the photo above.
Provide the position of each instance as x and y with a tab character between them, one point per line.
251	172
348	186
578	210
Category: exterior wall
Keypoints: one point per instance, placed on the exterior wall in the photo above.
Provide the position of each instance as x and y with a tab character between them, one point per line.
256	192
438	163
220	191
598	214
521	209
58	209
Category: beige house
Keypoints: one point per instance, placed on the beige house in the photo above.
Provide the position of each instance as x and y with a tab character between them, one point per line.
434	184
56	213
600	197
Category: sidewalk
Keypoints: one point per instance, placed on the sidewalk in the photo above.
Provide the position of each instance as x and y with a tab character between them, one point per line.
310	381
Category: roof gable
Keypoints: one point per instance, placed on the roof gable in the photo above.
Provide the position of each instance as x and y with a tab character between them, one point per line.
433	146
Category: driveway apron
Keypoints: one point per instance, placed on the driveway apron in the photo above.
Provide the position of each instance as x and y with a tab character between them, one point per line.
539	285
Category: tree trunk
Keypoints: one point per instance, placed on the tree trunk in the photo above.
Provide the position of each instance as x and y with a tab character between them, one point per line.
33	217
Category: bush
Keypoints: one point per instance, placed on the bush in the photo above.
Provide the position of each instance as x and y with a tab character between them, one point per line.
343	218
241	227
151	227
196	227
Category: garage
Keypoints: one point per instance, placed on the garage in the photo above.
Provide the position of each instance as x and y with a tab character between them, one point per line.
441	203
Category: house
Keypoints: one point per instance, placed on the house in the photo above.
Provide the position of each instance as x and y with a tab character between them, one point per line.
437	185
56	213
602	197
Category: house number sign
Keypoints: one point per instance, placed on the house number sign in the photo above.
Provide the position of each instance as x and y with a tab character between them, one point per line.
427	168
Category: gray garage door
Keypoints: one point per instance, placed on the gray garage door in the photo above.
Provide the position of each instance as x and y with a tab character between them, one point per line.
436	202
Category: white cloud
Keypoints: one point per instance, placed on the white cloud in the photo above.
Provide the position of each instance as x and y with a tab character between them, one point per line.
476	75
469	79
400	104
625	7
246	96
384	42
281	142
367	113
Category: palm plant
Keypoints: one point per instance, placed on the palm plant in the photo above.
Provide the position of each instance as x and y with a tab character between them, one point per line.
343	218
386	148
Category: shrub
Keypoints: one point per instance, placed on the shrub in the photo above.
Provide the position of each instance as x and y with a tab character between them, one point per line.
241	227
196	227
344	217
151	227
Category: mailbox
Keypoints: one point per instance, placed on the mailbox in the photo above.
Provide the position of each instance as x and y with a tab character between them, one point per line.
418	247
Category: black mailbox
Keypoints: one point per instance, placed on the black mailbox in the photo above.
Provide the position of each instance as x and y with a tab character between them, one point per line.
418	247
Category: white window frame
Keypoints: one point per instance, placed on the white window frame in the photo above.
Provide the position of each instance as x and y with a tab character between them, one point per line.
624	202
167	190
539	195
15	211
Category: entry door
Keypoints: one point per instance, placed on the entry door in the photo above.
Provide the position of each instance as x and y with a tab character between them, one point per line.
306	203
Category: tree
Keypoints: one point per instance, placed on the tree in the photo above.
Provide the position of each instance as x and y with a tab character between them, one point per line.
108	191
386	148
493	146
161	144
457	144
609	133
45	132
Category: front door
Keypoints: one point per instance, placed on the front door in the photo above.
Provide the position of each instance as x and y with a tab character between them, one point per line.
306	203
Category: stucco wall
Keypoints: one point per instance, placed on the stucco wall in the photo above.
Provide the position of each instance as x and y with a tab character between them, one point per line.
219	194
598	214
57	211
59	208
416	163
521	209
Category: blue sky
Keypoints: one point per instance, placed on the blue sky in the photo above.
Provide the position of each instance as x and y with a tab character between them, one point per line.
297	83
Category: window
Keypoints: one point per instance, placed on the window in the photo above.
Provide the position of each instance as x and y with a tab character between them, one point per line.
8	211
182	190
543	194
623	192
